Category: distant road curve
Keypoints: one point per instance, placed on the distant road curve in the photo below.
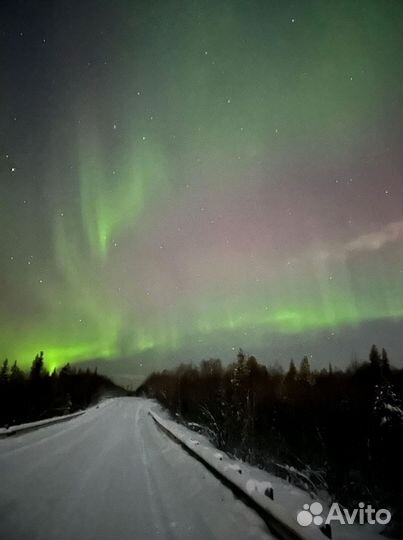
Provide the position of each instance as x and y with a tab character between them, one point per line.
110	474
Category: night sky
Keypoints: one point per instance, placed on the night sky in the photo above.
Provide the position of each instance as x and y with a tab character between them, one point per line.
181	179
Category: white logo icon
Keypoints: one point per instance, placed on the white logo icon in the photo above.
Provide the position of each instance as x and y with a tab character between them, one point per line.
310	514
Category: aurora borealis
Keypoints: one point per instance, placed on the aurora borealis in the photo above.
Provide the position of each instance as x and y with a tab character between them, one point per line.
180	179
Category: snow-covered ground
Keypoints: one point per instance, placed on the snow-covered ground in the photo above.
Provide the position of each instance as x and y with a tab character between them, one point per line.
111	474
288	499
23	428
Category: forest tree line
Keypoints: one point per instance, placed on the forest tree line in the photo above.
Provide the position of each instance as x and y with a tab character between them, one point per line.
38	394
341	430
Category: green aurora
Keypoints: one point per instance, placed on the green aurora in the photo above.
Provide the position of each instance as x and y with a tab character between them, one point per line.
216	169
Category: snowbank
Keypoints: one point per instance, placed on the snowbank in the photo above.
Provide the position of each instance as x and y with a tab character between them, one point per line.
24	428
256	487
256	494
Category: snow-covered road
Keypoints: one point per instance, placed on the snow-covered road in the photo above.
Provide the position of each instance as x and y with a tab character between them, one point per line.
110	474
